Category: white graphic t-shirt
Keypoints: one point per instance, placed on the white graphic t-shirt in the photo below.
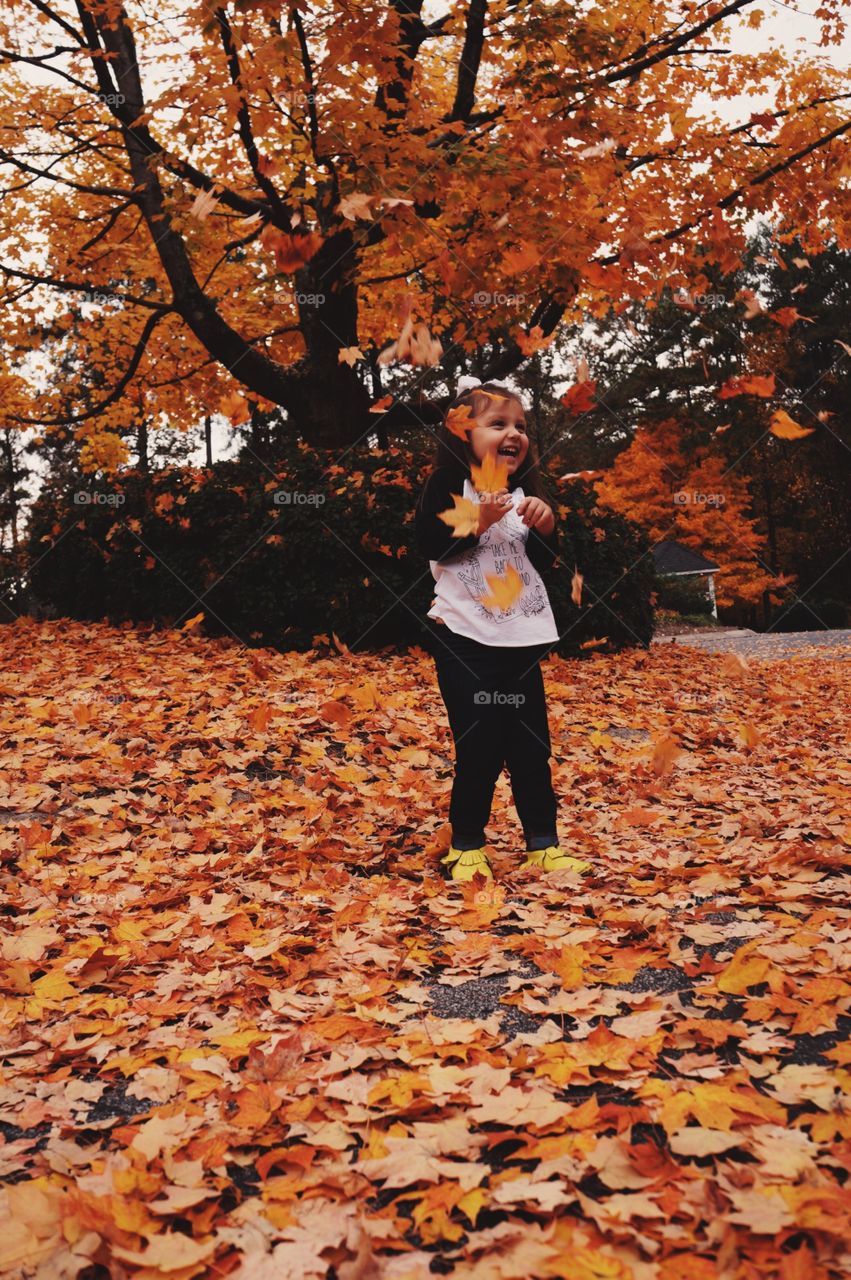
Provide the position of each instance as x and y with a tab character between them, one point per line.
459	583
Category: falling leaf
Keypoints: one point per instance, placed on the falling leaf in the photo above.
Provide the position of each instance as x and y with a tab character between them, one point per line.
787	316
235	407
666	751
534	340
491	476
463	518
203	204
460	421
356	206
504	589
748	384
580	397
786	428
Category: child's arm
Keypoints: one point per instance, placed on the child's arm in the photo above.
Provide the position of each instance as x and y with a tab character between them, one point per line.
434	536
542	551
541	548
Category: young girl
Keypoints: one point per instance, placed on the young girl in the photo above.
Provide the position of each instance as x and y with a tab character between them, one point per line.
487	658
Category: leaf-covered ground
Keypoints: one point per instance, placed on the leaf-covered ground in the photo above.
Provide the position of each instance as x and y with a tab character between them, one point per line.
249	1030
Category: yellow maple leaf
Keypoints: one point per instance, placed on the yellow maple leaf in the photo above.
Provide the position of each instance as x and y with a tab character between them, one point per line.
472	1202
463	518
491	476
743	971
504	589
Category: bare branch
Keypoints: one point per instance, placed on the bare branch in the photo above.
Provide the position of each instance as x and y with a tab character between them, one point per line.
78	286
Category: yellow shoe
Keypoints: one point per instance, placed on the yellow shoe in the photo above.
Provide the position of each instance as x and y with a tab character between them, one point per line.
466	863
554	859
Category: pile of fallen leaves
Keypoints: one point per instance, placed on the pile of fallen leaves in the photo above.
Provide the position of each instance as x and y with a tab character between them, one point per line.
248	1030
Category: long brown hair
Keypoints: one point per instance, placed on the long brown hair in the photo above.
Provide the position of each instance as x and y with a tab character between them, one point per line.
457	454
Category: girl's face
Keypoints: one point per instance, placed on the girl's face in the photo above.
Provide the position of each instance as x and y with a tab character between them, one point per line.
501	429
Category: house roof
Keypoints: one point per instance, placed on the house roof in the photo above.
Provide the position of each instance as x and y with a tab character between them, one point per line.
675	557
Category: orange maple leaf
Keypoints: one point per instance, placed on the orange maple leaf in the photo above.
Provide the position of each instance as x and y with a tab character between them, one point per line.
753	384
580	397
786	428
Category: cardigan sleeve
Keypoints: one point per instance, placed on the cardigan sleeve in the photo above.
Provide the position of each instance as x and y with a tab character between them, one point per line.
434	536
542	551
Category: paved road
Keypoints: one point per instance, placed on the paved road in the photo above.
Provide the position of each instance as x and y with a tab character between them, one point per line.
773	644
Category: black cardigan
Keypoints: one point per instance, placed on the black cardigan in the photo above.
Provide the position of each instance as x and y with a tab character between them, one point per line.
435	539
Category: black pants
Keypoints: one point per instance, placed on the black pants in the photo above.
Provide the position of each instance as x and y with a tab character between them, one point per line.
498	716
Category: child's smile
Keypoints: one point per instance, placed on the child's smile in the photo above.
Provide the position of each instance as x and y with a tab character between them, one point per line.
501	429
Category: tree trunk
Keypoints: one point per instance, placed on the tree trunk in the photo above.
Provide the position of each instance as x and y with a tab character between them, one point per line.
330	403
142	445
771	530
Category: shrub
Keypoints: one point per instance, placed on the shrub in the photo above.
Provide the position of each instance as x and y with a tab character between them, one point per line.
683	596
810	615
339	556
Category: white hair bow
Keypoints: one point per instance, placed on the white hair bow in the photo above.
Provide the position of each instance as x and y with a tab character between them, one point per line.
466	383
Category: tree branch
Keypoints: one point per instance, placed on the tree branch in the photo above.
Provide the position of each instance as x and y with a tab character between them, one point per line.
244	120
77	286
471	56
114	395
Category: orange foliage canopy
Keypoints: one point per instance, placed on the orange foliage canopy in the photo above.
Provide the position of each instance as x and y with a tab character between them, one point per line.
237	194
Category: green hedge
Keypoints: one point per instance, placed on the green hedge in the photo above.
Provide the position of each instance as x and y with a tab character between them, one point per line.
339	556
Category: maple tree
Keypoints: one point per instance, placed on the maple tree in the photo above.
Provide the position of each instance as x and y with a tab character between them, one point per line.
249	1031
700	501
264	203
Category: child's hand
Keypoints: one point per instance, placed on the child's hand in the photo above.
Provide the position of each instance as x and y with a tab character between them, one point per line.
492	507
537	515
